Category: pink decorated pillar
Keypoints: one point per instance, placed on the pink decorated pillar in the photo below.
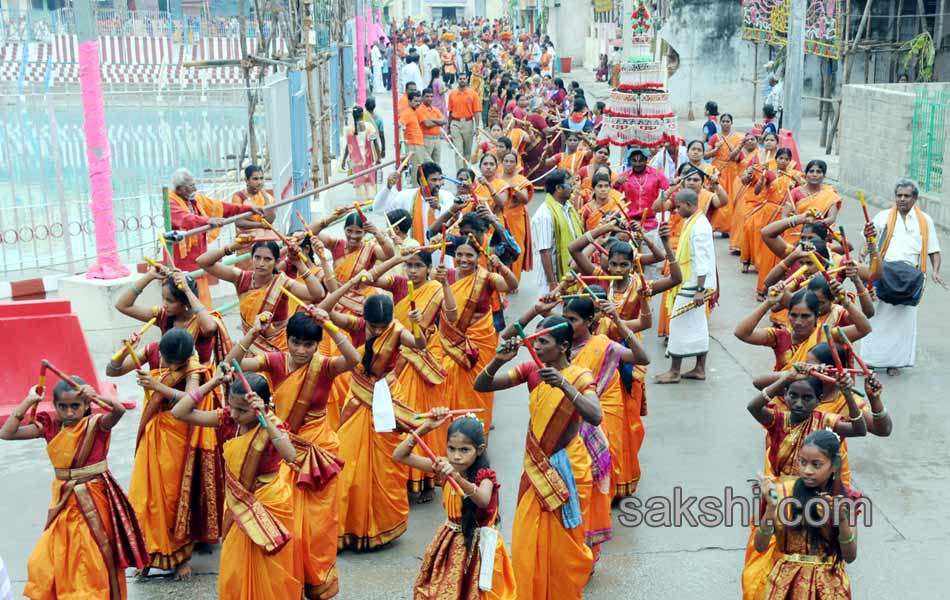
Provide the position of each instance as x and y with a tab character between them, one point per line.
360	62
107	265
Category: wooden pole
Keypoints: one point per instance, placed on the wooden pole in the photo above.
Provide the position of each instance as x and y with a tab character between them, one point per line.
794	67
395	85
755	76
251	96
311	90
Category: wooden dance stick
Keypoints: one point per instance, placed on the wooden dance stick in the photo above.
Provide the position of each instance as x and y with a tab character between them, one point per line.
166	271
585	286
306	226
392	226
844	242
135	359
854	353
431	456
283	238
460	411
141	332
688	307
534	355
40	390
819	265
247	389
601	277
412	306
405	162
73	384
442	256
794	276
326	323
832	346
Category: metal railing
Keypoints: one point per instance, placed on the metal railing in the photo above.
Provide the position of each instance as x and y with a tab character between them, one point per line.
929	143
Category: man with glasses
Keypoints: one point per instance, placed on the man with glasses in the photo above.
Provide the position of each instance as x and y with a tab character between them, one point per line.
554	226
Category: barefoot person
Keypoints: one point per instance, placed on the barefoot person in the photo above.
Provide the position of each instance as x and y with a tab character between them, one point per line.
689	332
91	534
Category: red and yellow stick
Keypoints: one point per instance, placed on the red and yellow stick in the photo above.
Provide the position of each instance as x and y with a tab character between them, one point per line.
794	276
601	277
460	411
854	353
141	332
131	350
431	456
72	383
412	305
442	256
326	324
247	389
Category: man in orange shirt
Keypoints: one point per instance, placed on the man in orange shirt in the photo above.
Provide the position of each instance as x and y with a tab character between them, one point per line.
431	120
412	131
464	104
404	99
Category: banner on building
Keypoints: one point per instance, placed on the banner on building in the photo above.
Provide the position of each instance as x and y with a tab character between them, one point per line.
767	21
603	5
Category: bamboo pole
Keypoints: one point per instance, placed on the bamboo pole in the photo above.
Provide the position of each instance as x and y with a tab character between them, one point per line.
311	90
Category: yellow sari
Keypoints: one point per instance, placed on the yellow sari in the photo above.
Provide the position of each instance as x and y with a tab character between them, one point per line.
257	560
371	493
160	493
550	561
420	371
264	299
468	346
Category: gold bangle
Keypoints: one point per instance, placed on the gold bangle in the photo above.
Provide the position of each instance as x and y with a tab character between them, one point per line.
857	418
866	292
246	350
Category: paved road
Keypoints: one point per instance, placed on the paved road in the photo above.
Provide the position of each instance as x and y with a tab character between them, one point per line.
699	438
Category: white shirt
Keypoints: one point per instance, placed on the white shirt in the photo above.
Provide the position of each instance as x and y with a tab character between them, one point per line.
391	199
410	72
702	255
432	60
907	241
542	237
376	57
663	161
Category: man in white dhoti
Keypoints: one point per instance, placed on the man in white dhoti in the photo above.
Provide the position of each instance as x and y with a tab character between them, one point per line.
904	234
689	331
376	60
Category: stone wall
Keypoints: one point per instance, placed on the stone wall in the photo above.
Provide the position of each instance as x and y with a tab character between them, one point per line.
876	142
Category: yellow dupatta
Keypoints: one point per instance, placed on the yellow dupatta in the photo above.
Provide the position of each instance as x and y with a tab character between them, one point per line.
455	343
170	377
684	257
346	268
562	233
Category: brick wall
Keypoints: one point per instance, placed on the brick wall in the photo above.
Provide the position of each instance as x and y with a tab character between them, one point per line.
876	137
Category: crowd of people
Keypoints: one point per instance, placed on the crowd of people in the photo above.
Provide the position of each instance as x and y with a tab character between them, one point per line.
364	374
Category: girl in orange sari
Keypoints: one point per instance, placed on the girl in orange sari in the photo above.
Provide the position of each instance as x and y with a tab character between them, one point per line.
742	190
550	555
372	501
603	201
816	194
725	148
516	195
469	342
600	158
91	534
257	560
489	146
420	372
168	494
467	559
302	379
259	289
489	184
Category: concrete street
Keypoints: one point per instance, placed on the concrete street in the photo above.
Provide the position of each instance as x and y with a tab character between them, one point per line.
699	437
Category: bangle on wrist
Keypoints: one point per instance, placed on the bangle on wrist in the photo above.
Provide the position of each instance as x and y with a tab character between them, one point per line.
849	539
136	290
18	416
766	532
857	418
246	350
880	415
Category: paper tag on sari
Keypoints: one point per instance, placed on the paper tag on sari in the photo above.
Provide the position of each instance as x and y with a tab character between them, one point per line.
384	418
487	540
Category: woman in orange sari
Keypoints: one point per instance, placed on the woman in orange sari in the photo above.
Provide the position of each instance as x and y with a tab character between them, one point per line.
91	534
351	255
257	560
752	199
488	184
371	493
725	148
169	495
516	195
469	342
489	146
743	187
603	201
549	552
302	379
259	289
600	158
816	194
420	372
467	559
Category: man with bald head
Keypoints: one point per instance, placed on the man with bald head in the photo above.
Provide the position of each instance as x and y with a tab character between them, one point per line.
689	332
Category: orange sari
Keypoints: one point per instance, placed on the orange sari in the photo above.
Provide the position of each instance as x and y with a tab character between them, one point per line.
167	502
551	561
256	559
728	171
742	197
469	346
518	224
91	534
265	299
769	209
300	401
626	459
821	201
450	569
371	493
420	371
593	213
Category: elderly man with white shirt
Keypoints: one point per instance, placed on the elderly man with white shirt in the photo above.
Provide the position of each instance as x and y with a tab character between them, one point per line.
424	207
905	234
